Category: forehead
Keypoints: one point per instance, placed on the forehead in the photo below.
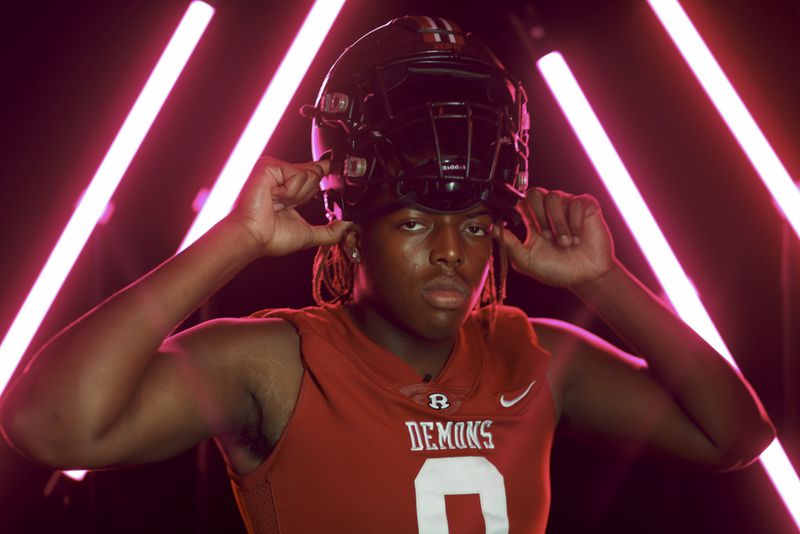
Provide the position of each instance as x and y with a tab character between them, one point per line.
479	210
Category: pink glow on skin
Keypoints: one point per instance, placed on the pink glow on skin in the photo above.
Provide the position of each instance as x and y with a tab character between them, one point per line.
265	118
732	110
653	244
97	196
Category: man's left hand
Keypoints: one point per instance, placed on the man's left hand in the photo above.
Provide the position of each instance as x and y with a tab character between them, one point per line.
567	242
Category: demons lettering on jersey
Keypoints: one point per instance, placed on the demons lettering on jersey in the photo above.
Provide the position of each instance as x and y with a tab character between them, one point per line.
372	447
444	435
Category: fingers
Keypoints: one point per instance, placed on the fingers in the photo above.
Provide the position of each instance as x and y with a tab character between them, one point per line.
322	167
536	202
513	246
556	207
580	207
312	180
557	216
294	184
329	234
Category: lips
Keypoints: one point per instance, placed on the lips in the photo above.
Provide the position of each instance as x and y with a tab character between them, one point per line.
445	293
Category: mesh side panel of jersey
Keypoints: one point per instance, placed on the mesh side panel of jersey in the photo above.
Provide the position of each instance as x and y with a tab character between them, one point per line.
257	506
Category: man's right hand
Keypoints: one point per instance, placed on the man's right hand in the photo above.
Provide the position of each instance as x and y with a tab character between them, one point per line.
266	207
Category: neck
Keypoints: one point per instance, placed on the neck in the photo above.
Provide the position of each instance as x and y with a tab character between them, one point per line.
426	357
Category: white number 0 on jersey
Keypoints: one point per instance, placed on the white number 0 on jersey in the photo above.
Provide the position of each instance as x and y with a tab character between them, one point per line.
460	476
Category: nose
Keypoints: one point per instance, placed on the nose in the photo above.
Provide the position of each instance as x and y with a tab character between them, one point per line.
446	246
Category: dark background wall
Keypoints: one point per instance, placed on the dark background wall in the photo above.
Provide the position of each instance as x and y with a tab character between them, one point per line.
70	72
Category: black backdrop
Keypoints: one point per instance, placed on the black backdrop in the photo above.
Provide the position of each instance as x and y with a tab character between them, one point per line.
70	72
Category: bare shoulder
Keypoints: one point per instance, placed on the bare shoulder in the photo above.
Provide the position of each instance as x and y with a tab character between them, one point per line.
262	354
243	348
572	345
232	337
578	357
555	335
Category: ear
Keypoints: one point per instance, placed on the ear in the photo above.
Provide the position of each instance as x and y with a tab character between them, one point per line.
352	240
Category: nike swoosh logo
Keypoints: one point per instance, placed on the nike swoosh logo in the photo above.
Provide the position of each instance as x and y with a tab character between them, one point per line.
511	402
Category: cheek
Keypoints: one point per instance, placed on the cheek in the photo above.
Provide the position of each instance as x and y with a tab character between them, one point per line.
391	274
480	255
399	265
386	266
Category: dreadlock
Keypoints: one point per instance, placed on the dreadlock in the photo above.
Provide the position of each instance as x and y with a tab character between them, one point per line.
333	273
494	289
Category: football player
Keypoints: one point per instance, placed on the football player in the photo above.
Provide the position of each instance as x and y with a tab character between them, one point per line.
409	399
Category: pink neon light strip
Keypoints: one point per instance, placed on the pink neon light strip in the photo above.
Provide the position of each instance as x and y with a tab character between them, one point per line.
105	181
652	242
265	118
103	184
731	108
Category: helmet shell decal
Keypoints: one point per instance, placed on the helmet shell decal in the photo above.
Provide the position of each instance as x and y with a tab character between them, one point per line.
440	31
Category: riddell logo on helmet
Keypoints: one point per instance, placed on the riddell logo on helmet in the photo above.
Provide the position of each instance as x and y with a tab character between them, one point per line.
454	167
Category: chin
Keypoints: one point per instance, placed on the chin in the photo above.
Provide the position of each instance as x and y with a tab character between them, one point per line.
436	325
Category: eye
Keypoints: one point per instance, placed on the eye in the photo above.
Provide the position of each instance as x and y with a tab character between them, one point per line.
476	230
411	226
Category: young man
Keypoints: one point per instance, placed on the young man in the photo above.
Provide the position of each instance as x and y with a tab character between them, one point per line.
398	406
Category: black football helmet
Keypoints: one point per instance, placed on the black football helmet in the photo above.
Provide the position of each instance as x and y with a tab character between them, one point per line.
424	110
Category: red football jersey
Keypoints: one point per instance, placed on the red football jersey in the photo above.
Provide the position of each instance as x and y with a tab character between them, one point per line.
372	448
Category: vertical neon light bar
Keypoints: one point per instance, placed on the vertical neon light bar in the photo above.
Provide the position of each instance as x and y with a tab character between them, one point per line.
731	108
651	241
102	186
265	118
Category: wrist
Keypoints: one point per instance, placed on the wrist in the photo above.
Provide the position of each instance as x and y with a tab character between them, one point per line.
234	231
602	284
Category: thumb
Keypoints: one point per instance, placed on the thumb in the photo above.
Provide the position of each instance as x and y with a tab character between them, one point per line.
513	246
329	234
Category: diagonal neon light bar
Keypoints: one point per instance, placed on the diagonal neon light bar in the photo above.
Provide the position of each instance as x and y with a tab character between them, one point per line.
651	241
265	117
102	186
733	111
105	181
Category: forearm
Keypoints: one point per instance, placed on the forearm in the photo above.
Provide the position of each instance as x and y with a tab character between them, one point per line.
712	393
82	380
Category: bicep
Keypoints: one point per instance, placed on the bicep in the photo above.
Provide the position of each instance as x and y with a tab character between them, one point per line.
195	387
611	395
